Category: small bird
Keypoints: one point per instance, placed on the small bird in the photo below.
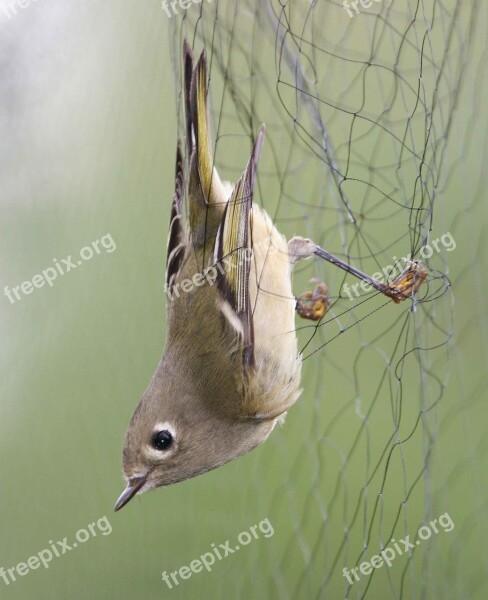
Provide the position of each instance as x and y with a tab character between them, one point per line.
231	367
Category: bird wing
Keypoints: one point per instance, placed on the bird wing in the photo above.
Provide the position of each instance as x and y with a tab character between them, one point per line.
233	253
203	187
176	235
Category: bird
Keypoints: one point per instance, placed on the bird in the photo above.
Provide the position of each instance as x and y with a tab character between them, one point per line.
231	368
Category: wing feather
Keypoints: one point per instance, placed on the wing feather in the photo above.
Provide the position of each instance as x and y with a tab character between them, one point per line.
176	235
233	251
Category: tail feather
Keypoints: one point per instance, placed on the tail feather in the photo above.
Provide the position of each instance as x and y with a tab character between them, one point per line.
206	194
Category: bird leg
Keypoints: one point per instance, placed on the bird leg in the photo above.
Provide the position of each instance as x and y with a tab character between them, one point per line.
401	288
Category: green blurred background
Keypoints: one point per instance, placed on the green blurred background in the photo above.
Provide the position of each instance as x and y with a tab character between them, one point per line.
88	140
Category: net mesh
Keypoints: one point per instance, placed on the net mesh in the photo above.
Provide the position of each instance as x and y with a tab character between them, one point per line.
364	154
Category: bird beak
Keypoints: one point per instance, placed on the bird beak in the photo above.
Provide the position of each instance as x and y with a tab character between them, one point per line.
131	489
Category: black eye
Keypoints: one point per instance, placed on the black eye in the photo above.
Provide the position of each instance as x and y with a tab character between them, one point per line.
162	440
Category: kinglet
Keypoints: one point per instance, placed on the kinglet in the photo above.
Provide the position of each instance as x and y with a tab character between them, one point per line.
231	367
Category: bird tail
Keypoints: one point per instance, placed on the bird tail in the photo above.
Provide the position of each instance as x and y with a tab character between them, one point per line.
207	195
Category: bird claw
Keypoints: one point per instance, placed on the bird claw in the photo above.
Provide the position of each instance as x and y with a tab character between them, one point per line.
313	305
407	283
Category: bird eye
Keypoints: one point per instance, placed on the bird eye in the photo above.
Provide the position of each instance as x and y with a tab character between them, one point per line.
162	440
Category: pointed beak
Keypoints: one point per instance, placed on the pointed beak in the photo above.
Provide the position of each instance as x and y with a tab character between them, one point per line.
131	489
